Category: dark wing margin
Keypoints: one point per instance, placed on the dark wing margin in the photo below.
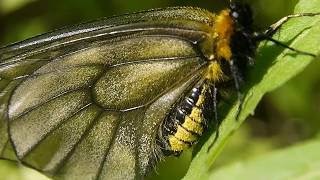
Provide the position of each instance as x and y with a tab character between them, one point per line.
86	102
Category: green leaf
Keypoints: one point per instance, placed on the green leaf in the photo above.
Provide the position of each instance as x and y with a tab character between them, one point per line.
298	162
274	66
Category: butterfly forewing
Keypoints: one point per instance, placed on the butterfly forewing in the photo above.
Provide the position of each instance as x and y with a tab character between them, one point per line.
86	102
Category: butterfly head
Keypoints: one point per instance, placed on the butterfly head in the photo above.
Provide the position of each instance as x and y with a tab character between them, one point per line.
243	45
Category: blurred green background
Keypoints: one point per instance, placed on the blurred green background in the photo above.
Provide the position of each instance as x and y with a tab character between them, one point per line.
284	117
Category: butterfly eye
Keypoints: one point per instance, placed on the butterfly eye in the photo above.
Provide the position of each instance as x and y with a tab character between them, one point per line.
235	14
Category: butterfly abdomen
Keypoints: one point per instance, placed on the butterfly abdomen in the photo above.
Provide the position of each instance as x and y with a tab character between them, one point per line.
187	121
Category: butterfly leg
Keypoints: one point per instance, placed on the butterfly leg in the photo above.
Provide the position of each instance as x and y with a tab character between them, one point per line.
237	79
214	93
274	27
267	35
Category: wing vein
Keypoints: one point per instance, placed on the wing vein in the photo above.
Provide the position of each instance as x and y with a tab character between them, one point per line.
108	149
55	128
47	101
83	136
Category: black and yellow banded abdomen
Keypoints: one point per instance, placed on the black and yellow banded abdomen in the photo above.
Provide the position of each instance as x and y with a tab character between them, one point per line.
187	121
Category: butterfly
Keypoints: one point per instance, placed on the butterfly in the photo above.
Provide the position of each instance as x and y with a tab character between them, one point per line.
108	99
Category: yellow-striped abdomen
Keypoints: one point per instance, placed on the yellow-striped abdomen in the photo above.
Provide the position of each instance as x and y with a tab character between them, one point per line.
192	127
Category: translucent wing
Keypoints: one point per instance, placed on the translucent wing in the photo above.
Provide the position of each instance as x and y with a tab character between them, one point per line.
86	102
